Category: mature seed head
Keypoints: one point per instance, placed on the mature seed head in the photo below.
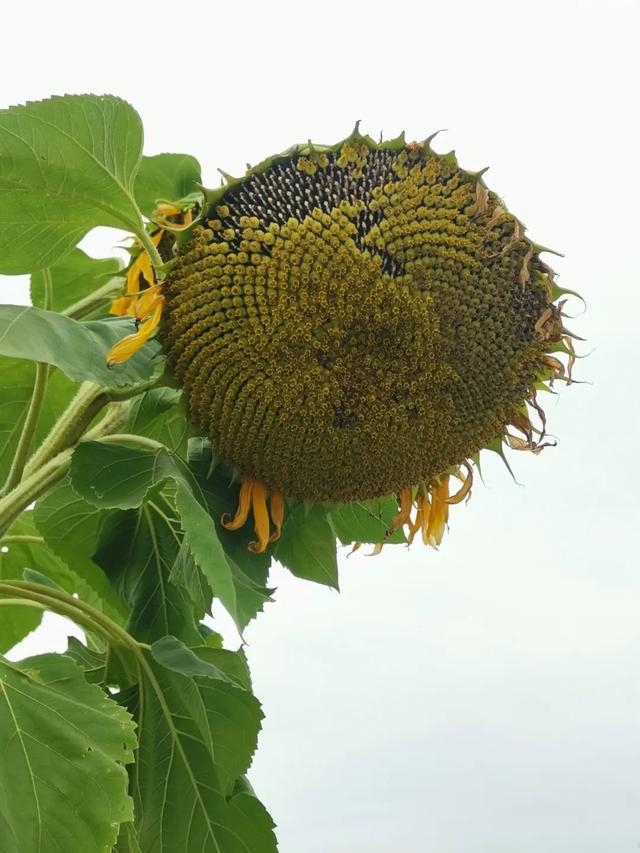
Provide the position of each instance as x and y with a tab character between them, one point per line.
351	321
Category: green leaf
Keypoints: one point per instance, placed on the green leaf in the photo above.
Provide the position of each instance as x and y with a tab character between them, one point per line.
63	744
117	476
70	527
194	744
202	539
114	475
160	414
67	164
308	545
137	550
17	378
249	571
366	522
75	277
79	349
165	176
174	655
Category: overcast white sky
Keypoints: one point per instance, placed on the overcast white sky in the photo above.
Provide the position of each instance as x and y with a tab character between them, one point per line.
485	698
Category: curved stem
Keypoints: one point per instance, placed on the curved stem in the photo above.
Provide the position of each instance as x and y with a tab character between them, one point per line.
153	253
22	602
29	428
79	611
129	438
27	491
22	540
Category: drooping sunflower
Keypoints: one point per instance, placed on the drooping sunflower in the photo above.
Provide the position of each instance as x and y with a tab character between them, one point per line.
354	321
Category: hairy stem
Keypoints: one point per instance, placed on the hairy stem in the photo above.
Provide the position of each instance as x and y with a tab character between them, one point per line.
89	400
29	489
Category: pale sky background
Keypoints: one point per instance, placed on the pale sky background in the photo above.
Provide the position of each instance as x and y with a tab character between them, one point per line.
484	698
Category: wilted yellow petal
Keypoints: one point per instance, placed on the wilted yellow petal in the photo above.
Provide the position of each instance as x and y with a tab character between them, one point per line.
124	349
244	504
276	504
260	517
464	491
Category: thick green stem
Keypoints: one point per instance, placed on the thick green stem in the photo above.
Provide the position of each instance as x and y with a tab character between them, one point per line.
89	400
94	300
32	487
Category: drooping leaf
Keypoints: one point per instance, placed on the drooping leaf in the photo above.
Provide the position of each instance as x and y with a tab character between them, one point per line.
62	775
78	348
118	476
67	164
137	550
165	176
198	742
75	277
17	378
307	546
249	571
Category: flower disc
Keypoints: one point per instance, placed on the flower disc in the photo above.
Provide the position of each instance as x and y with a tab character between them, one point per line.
351	321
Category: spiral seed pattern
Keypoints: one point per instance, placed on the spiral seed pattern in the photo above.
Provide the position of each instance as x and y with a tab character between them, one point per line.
350	322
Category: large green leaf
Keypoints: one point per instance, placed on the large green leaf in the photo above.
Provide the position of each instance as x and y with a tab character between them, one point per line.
67	164
137	550
79	349
165	176
75	277
194	744
63	744
70	527
308	545
17	378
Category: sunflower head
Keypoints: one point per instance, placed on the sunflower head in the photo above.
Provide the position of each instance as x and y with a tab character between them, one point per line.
360	320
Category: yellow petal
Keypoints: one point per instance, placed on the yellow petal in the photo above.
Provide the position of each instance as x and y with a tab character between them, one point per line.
121	307
244	504
124	349
277	514
260	517
464	491
404	515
